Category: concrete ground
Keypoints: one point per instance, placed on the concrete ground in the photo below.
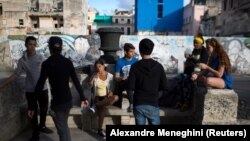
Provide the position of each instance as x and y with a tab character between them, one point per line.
76	135
241	87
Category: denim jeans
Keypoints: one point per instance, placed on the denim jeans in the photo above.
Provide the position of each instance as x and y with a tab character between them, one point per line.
143	112
60	118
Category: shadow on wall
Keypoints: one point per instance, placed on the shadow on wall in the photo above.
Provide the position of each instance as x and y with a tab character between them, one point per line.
165	24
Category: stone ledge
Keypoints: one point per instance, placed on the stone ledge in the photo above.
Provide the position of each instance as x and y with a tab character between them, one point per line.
211	106
115	111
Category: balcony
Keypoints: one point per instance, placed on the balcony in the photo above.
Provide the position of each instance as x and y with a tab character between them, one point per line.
48	30
45	13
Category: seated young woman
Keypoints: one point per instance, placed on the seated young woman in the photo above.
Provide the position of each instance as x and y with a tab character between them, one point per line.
102	83
219	69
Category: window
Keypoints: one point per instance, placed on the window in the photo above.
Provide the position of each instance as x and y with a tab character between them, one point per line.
225	5
35	25
61	19
128	21
56	25
21	22
160	1
200	2
1	9
122	29
116	20
122	19
128	31
160	11
61	25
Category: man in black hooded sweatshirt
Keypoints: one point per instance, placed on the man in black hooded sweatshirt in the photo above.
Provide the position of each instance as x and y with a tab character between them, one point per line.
146	79
59	70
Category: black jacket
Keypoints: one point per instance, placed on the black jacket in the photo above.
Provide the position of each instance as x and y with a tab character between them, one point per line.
59	70
146	79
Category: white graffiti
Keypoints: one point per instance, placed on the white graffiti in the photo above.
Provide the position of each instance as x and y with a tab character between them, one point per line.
169	50
74	48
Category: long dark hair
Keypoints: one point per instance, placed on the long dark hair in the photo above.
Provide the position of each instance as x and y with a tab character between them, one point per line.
218	50
102	62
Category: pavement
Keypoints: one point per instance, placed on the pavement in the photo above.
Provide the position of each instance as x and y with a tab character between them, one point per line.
241	87
76	135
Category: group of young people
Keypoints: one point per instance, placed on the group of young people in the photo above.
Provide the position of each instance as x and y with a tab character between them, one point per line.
141	79
208	66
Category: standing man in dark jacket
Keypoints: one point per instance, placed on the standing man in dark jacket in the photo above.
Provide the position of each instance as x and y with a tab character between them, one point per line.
146	79
59	70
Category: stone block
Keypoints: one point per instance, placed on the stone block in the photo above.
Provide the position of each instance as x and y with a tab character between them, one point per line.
220	107
13	109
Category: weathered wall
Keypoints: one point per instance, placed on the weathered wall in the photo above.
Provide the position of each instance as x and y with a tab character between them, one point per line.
169	50
5	58
82	50
13	109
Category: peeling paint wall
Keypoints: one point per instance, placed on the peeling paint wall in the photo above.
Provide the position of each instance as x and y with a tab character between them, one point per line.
169	50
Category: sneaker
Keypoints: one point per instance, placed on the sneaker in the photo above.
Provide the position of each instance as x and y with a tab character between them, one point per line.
92	109
130	108
46	130
101	132
33	138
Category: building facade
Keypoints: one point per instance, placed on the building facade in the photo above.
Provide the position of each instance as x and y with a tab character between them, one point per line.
124	20
227	18
192	16
44	17
102	21
158	16
209	23
235	18
92	12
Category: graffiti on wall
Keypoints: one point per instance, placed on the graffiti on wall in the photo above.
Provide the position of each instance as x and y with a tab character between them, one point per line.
81	50
169	50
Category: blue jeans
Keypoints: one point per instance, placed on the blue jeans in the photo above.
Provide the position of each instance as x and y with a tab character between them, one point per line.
143	112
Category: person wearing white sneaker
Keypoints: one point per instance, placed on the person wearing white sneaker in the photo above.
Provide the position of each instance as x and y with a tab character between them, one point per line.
92	108
102	83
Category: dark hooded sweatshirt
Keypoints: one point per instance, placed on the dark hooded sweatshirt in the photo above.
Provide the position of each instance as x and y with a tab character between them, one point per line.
146	79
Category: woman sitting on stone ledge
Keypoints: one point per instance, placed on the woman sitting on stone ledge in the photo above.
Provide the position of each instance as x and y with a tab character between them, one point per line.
102	83
219	70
